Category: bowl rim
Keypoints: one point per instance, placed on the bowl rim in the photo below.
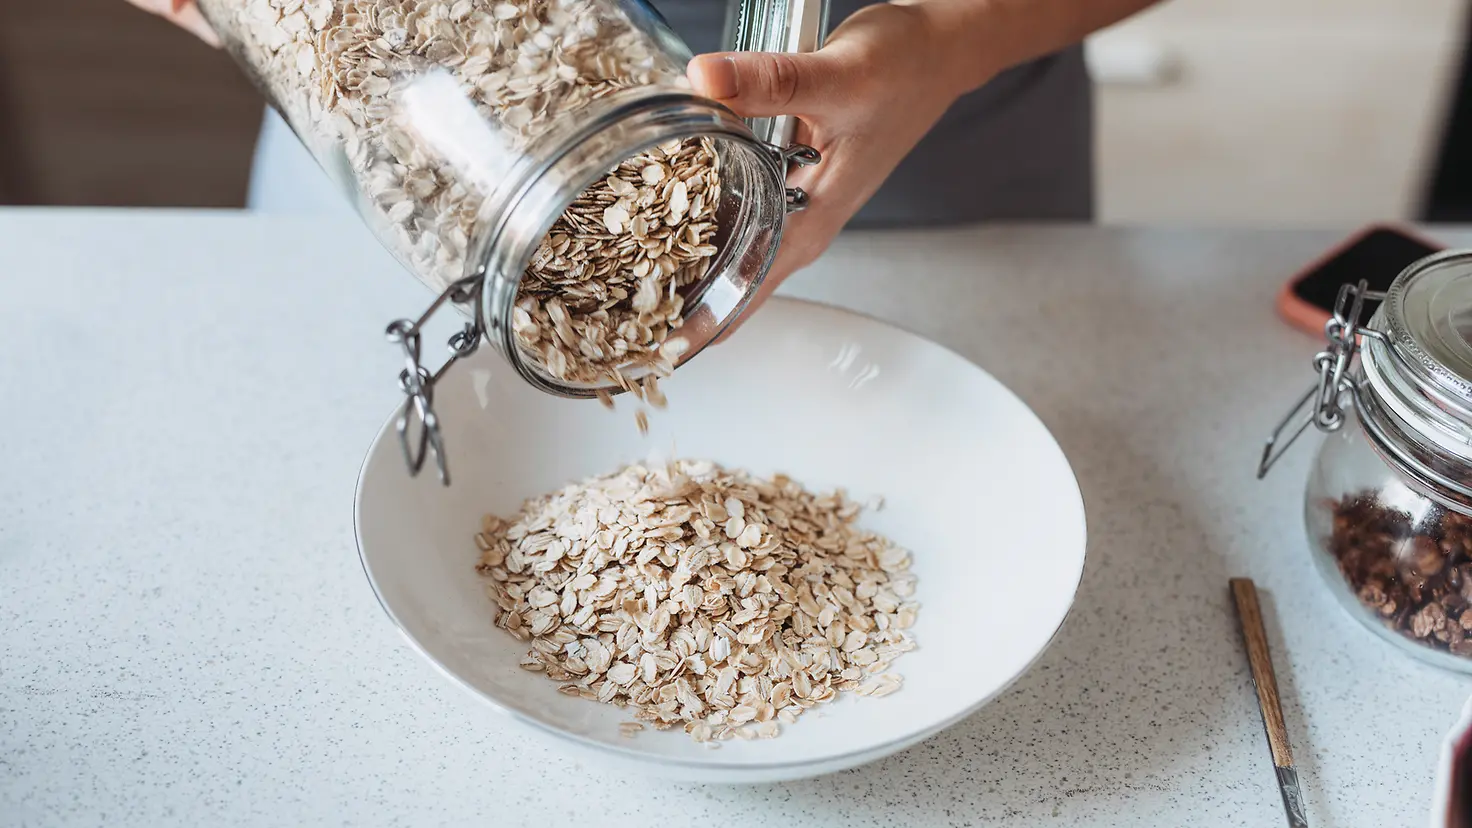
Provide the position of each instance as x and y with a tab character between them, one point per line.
848	758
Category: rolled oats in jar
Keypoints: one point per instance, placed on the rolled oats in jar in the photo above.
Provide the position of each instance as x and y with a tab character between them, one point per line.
543	164
353	77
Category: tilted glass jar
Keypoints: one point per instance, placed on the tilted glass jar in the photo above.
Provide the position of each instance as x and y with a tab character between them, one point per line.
1389	502
463	130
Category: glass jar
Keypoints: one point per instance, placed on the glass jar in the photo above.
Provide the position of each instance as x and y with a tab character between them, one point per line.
535	162
1389	502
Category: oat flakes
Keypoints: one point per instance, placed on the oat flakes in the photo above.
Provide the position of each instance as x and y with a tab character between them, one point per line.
700	597
601	295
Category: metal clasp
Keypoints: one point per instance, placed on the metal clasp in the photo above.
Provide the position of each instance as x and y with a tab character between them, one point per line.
796	155
418	383
1320	406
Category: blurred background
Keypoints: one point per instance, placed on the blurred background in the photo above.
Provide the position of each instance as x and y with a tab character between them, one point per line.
1263	112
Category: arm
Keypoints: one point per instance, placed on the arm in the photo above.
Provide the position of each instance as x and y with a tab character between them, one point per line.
988	36
879	83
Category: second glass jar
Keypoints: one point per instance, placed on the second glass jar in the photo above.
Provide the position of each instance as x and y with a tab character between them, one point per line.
1388	506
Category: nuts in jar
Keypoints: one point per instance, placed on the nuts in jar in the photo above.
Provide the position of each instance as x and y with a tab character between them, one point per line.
1414	572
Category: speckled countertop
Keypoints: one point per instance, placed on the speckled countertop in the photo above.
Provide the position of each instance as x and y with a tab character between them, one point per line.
186	637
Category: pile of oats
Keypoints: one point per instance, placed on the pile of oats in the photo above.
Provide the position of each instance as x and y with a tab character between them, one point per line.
701	597
354	78
602	293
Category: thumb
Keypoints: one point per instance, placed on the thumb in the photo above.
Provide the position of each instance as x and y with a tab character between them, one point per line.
765	84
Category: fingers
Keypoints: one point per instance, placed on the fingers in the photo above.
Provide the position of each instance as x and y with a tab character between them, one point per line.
804	237
790	259
764	84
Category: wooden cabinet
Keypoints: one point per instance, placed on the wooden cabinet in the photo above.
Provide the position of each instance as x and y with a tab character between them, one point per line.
1282	112
102	104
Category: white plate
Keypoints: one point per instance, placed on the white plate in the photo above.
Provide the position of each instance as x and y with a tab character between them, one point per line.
973	483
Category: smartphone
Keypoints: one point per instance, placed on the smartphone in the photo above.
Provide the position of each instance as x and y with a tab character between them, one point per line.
1377	254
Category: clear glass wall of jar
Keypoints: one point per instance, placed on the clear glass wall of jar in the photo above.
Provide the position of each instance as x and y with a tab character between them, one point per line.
420	110
466	131
543	165
1395	552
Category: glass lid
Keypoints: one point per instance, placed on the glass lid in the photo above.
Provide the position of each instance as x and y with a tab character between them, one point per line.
1421	363
1412	382
1428	317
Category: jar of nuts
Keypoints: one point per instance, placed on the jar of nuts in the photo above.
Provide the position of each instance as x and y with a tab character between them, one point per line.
1389	501
543	165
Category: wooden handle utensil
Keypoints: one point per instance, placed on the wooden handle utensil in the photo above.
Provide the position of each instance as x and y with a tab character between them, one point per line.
1254	636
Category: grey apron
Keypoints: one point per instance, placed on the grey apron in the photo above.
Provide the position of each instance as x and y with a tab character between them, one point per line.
1019	148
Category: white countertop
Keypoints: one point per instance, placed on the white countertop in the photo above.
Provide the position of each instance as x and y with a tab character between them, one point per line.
186	636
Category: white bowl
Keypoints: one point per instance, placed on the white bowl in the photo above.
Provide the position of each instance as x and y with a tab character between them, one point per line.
1452	794
973	484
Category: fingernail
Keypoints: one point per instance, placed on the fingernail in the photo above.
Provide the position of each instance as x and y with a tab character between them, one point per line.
720	78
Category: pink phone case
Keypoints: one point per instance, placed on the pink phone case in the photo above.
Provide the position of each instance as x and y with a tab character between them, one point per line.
1311	318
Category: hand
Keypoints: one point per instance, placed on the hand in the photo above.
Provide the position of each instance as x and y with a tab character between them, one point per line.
864	100
182	12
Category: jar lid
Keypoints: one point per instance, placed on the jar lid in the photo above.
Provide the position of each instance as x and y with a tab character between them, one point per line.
1430	317
1422	362
1413	382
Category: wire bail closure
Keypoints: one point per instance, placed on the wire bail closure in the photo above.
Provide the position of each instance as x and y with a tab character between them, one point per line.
796	155
1320	406
418	383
